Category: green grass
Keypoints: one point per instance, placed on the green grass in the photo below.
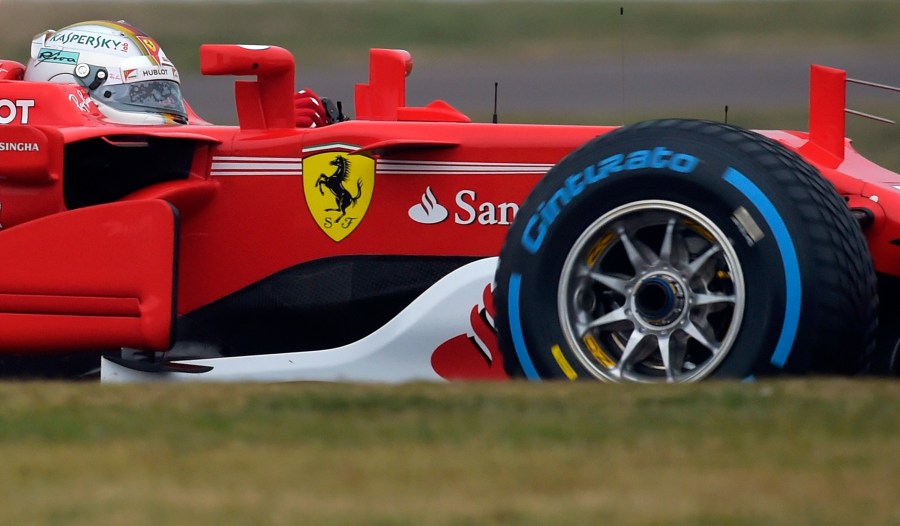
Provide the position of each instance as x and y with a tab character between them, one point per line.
324	31
814	452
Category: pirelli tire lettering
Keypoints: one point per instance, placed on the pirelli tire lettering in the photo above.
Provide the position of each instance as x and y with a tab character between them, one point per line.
680	250
547	212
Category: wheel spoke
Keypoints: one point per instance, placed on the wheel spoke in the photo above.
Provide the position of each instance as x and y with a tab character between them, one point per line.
639	255
609	319
697	333
695	266
672	357
628	353
613	283
702	299
665	251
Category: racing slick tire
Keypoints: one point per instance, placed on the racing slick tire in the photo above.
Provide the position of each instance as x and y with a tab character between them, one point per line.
678	250
886	358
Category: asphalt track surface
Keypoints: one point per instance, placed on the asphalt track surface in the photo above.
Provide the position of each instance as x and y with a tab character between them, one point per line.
603	87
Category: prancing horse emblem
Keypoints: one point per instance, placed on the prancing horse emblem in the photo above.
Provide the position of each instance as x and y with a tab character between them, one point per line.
335	183
338	189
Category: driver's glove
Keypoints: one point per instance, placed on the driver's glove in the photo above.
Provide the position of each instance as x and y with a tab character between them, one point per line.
309	112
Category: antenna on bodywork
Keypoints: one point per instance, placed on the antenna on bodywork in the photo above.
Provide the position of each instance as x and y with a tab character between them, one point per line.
622	60
495	120
623	108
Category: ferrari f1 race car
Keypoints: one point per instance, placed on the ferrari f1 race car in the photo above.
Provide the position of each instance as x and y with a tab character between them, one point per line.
409	243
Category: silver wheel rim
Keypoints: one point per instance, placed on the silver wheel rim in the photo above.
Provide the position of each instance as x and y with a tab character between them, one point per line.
651	292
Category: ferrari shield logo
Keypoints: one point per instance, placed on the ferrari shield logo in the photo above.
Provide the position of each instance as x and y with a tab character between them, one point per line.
151	47
338	189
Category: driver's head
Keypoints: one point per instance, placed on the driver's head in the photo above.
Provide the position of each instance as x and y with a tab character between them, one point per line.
125	72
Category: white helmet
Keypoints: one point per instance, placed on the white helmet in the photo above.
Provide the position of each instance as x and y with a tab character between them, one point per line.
125	72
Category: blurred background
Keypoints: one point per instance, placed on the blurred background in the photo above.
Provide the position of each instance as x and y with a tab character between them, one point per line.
590	62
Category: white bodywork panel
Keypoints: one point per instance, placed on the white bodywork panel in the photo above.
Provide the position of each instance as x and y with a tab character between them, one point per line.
400	351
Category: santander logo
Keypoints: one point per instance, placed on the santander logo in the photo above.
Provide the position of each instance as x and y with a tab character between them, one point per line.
428	211
468	210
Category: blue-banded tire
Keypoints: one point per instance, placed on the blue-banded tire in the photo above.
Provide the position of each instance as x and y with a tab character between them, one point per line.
680	250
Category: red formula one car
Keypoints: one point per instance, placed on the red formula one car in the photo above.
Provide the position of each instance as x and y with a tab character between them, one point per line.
367	250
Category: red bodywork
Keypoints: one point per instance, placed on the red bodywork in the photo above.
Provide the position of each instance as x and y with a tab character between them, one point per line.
117	270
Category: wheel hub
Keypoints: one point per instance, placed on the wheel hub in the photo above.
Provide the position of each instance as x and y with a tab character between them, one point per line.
659	300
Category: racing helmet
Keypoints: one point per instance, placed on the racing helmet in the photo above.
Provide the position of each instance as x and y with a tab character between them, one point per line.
126	73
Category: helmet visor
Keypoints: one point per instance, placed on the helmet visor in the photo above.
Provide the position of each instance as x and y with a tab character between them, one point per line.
158	96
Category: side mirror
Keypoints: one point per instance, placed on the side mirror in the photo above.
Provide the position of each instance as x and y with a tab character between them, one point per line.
386	90
266	102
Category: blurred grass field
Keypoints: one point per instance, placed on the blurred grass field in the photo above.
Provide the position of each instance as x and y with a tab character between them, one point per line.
804	452
320	30
811	452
